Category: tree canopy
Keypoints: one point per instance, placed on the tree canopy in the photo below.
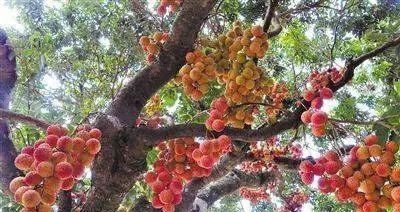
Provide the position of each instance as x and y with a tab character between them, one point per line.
203	105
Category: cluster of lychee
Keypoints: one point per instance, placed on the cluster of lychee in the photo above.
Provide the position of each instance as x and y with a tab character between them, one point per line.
244	80
314	115
266	152
196	74
367	178
254	195
293	202
216	119
179	161
152	45
170	5
53	164
278	93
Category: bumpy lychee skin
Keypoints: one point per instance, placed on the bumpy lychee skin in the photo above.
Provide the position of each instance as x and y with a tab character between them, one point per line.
306	117
52	185
367	186
42	153
307	178
32	178
78	170
19	192
95	133
319	118
65	144
31	198
371	139
68	184
225	142
58	157
370	206
28	150
383	170
326	93
79	145
44	208
206	161
48	199
53	130
45	169
308	95
396	194
176	187
166	196
52	140
392	146
362	153
93	146
150	177
85	158
16	183
375	150
63	170
23	162
218	125
317	103
306	166
332	167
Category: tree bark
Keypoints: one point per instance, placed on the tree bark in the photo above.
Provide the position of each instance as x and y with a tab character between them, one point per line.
123	156
229	184
8	77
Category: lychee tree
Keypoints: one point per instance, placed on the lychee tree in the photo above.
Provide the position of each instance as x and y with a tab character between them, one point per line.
174	107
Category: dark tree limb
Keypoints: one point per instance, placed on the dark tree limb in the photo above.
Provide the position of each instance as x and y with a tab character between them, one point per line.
122	158
65	202
270	14
229	184
8	78
6	114
226	164
152	136
353	63
130	101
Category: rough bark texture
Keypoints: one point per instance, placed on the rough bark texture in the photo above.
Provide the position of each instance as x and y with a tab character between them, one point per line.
6	114
226	164
65	204
132	98
228	184
7	81
123	156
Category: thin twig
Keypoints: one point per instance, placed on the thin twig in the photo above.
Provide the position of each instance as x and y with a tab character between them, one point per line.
6	114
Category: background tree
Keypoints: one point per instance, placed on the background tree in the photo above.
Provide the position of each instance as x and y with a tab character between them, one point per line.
80	62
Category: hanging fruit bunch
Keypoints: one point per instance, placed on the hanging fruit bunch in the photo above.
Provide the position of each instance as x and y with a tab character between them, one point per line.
179	161
53	164
316	94
152	44
367	178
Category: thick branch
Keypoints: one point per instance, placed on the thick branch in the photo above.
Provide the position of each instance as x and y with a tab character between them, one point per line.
7	82
228	184
123	156
132	98
224	166
358	60
270	14
6	114
65	202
